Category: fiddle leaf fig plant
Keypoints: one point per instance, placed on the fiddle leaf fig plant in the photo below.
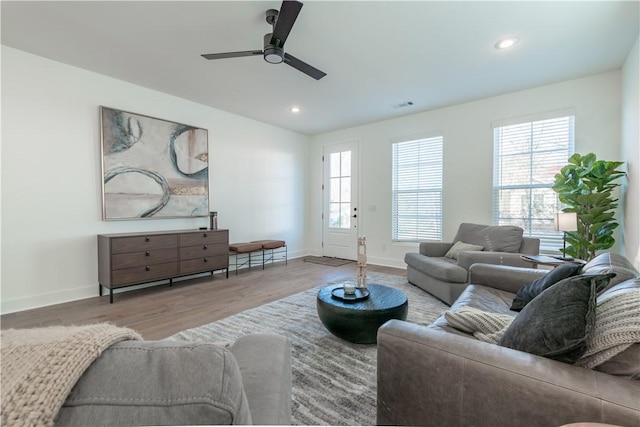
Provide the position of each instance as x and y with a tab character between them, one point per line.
586	186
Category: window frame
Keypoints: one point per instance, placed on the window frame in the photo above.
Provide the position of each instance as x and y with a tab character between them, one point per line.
534	226
425	190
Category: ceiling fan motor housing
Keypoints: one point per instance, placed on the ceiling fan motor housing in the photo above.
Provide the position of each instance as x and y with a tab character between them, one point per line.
272	53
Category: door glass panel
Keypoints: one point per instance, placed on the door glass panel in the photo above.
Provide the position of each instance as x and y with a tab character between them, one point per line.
334	191
334	215
340	190
345	218
334	167
345	190
345	164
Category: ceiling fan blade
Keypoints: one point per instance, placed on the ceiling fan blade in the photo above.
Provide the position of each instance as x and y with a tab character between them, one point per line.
232	54
303	66
286	18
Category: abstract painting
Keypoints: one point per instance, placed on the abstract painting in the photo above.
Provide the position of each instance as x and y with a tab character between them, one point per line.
152	168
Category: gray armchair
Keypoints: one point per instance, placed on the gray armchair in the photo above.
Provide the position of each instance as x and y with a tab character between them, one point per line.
445	277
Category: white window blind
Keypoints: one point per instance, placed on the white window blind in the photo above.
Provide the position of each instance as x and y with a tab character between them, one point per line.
526	158
417	189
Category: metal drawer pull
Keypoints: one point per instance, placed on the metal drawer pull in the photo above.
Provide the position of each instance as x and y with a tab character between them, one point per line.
204	235
147	268
206	260
146	239
205	247
147	253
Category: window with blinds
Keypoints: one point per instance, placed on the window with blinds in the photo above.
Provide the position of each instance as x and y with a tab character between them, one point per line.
417	189
526	158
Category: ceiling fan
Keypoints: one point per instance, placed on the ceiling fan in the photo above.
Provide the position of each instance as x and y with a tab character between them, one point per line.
282	21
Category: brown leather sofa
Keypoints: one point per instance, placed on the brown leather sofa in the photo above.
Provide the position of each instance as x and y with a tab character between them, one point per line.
439	376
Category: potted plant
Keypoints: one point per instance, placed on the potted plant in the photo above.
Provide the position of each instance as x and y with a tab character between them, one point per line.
586	187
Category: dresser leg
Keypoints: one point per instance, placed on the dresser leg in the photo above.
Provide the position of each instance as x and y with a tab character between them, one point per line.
111	296
170	282
100	289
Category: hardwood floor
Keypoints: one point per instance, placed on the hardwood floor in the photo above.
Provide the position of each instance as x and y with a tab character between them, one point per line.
160	311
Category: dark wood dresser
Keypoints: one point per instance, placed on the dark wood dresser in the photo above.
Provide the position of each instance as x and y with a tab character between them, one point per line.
128	259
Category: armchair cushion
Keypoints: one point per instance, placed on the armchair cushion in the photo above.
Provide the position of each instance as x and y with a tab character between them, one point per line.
531	290
438	267
494	238
460	246
557	322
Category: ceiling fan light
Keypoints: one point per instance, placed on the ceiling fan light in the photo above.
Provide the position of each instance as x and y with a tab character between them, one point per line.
273	54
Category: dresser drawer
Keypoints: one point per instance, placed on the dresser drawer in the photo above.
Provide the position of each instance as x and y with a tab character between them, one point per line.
204	264
146	273
208	249
202	237
143	243
138	259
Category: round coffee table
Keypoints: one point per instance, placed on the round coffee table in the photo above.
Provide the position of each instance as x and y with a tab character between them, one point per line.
358	321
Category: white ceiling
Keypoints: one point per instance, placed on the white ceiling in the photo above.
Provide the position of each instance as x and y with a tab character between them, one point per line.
376	54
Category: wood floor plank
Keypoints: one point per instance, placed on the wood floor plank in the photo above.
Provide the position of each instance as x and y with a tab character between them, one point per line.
160	311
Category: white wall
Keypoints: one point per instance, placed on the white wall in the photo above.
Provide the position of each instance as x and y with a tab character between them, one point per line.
631	153
51	176
468	154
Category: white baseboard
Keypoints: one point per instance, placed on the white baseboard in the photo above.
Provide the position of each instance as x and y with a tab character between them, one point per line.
90	291
50	298
386	262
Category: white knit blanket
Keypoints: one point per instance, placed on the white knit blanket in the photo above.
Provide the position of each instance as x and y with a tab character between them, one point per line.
617	328
40	367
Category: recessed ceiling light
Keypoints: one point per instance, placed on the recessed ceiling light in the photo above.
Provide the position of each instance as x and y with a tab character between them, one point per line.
507	43
295	109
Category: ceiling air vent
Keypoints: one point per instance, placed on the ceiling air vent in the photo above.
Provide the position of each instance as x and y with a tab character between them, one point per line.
403	104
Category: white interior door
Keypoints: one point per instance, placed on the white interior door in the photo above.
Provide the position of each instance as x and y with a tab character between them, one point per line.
340	192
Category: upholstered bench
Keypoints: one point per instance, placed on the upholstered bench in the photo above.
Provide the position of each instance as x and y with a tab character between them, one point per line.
271	246
243	252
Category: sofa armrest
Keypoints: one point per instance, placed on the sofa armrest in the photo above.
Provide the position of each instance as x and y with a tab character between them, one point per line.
467	258
503	277
530	246
158	383
265	365
434	378
435	249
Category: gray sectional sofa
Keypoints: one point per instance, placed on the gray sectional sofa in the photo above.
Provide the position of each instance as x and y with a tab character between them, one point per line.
184	383
440	376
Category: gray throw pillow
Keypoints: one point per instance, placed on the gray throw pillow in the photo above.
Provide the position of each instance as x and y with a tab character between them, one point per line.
531	290
460	247
556	323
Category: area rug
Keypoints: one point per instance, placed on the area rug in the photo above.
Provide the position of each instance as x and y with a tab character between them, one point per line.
334	381
324	260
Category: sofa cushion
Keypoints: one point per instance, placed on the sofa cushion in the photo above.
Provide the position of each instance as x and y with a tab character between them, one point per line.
611	263
483	298
625	364
158	383
461	246
531	290
557	322
441	268
494	238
